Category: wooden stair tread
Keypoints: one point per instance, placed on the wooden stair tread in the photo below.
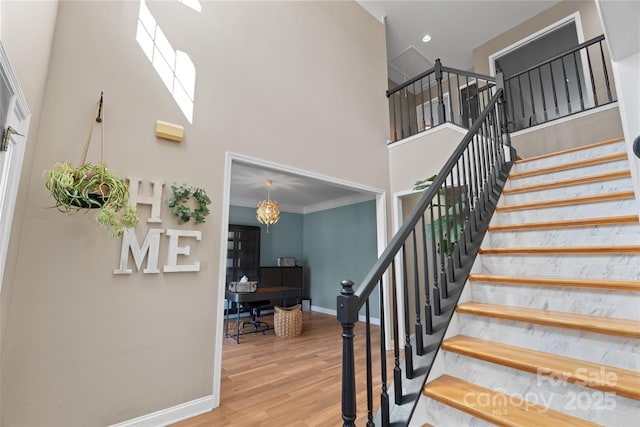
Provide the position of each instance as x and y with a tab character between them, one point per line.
593	198
564	250
585	222
495	407
569	182
597	324
617	285
610	379
571	150
571	165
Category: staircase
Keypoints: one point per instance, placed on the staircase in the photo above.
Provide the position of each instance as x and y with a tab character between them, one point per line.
547	330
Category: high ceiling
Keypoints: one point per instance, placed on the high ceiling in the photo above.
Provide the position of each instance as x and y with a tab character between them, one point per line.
451	24
456	28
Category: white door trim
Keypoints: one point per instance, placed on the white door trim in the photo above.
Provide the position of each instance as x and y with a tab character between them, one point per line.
18	117
574	17
381	232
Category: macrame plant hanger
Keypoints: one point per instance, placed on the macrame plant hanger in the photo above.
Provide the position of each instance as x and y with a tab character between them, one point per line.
99	119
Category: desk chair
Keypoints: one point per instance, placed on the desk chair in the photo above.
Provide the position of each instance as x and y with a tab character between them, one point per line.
255	313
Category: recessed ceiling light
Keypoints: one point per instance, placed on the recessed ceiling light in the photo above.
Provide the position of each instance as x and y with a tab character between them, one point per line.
426	38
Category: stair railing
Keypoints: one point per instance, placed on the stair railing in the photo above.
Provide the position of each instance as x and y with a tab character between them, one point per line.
422	271
439	95
568	83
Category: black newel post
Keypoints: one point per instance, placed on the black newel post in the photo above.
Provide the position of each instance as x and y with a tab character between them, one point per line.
441	107
348	316
502	107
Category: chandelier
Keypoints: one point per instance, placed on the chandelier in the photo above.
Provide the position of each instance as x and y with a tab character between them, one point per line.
268	211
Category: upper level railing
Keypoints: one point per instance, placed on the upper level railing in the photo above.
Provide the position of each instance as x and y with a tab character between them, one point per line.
566	84
420	274
440	94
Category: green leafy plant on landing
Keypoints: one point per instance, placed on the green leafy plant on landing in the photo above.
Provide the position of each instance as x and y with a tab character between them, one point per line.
181	203
451	219
90	186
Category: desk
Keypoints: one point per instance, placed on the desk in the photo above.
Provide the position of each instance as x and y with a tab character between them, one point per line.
259	294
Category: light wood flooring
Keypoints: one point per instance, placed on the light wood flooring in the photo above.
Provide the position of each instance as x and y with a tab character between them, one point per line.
297	381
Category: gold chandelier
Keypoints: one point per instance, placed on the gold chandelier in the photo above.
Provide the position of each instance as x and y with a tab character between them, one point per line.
268	211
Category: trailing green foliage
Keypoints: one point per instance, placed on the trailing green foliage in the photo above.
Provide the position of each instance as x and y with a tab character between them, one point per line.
181	203
91	186
452	213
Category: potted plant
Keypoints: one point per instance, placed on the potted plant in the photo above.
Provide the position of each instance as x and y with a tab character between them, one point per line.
452	211
91	186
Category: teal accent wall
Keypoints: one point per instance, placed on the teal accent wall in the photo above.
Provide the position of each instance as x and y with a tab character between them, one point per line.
284	239
332	245
340	244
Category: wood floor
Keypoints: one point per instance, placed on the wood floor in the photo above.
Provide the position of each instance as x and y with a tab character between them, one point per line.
271	381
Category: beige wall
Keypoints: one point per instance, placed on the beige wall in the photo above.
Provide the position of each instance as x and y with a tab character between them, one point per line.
26	33
296	83
561	134
422	156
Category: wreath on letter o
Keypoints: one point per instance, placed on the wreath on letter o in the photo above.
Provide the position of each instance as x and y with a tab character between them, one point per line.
184	197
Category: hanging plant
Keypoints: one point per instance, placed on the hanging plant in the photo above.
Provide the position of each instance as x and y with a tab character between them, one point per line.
91	186
189	203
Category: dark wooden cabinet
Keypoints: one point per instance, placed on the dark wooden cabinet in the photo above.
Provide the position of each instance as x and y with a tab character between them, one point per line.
243	252
282	276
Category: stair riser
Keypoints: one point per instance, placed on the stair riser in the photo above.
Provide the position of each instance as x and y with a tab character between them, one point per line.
554	393
609	350
612	267
618	147
595	302
628	234
441	415
559	213
602	187
570	173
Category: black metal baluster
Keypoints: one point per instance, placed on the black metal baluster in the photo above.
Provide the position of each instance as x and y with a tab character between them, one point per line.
511	105
533	102
606	73
430	101
436	288
395	124
457	215
449	230
521	98
428	319
408	347
348	357
593	82
412	108
450	104
459	98
384	393
472	194
566	84
397	372
544	101
367	335
553	86
468	99
461	246
401	118
441	250
416	289
424	123
575	64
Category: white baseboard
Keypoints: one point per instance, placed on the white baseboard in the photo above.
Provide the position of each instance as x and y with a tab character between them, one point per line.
171	415
362	318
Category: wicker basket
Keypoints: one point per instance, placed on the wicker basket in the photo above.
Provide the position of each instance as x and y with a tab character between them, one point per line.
288	321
